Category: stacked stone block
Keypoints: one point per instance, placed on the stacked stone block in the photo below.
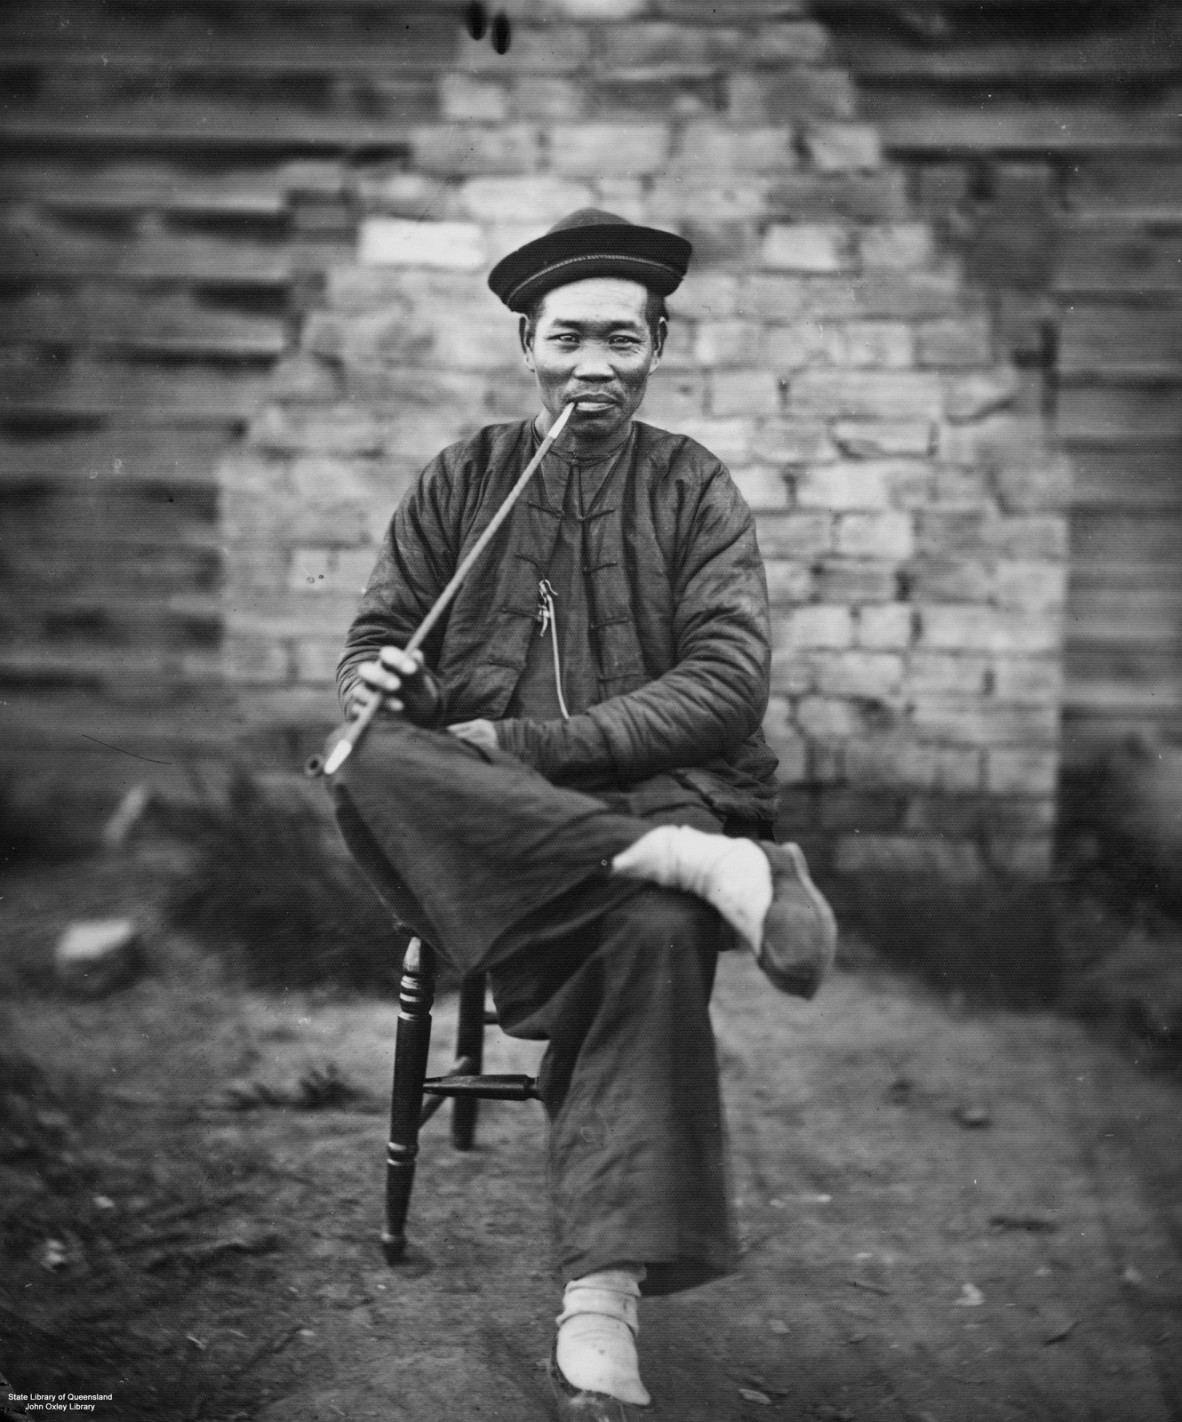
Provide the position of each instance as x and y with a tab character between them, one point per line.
909	514
1044	146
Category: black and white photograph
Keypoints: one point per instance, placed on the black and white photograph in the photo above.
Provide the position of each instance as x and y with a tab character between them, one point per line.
591	710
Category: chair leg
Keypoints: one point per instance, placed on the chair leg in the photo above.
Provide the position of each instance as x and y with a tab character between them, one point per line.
415	995
470	1049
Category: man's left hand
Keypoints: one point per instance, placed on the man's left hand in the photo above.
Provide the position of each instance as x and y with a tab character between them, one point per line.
480	733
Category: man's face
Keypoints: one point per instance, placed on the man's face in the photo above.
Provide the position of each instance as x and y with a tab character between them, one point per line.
592	343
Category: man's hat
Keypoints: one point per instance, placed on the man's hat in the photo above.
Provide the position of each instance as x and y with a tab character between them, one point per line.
590	243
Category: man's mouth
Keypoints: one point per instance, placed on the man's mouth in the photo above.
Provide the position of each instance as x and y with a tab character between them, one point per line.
593	404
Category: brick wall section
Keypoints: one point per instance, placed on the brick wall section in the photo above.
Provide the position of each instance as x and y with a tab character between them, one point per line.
1043	144
910	517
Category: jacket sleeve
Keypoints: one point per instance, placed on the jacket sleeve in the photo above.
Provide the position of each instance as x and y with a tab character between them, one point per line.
715	696
417	557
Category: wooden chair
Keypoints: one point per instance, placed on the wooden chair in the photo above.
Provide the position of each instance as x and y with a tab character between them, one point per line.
464	1083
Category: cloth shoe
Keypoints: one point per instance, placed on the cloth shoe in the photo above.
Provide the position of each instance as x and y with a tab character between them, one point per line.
799	940
594	1369
762	890
573	1405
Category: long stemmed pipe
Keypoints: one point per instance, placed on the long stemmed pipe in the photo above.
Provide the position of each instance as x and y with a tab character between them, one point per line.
360	723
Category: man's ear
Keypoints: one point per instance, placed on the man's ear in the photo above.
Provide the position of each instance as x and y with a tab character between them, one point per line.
526	336
659	341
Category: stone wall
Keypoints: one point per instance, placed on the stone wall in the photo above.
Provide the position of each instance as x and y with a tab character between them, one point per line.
824	346
1044	143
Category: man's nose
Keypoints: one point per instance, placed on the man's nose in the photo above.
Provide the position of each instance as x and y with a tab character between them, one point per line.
593	365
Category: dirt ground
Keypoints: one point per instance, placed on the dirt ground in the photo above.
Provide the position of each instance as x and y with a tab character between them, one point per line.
948	1214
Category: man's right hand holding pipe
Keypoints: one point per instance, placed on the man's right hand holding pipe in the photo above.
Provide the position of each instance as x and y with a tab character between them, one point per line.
407	688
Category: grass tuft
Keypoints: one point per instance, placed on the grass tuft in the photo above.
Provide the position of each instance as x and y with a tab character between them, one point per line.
1121	820
33	824
272	890
39	1117
994	939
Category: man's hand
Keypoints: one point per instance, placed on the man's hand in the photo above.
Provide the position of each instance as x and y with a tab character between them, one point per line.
404	684
479	733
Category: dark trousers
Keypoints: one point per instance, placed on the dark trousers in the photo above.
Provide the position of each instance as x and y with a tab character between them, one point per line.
508	874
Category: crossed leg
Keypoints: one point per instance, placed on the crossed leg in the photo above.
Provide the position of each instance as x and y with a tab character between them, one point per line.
503	871
506	873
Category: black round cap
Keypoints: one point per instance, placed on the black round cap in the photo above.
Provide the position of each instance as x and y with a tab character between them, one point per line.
591	243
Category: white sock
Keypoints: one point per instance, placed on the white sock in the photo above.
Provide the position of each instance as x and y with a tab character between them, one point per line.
597	1328
732	875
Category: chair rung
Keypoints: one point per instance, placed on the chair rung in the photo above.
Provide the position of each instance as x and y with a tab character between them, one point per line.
490	1017
462	1066
430	1107
484	1088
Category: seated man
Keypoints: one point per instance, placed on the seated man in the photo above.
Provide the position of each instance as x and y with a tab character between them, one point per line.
570	798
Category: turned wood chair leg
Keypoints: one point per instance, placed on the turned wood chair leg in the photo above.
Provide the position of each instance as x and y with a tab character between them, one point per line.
415	996
469	1051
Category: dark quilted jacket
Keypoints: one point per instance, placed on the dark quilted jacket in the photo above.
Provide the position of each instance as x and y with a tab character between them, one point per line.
678	595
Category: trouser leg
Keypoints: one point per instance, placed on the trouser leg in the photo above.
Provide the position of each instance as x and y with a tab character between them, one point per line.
498	867
637	1160
466	845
